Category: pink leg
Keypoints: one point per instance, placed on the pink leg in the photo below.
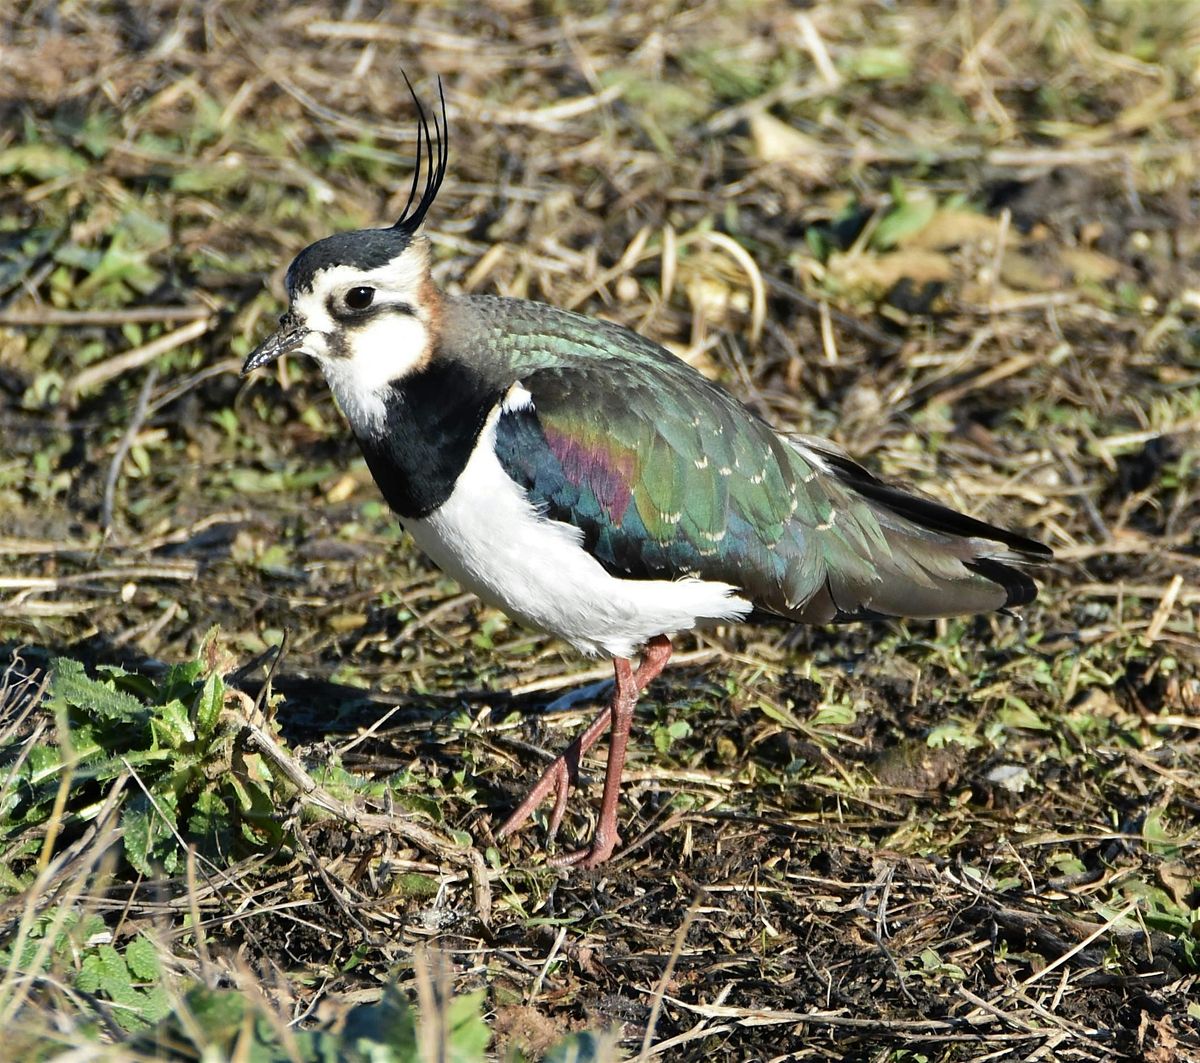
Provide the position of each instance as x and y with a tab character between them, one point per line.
559	776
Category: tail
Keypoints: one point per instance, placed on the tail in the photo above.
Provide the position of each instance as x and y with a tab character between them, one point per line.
924	560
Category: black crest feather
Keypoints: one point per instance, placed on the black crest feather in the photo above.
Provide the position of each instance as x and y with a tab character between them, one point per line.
432	160
371	248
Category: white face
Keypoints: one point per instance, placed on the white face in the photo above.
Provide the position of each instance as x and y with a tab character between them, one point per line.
367	328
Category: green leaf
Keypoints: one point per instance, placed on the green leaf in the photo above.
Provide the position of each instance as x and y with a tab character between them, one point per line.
140	686
147	832
726	76
818	243
210	815
203	180
209	705
385	1031
43	162
180	681
105	971
42	763
141	957
1158	838
469	1034
154	1006
780	715
910	215
220	1012
834	714
171	727
137	831
879	64
662	740
72	688
1017	713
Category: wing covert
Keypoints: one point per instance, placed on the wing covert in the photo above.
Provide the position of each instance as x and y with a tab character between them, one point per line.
652	477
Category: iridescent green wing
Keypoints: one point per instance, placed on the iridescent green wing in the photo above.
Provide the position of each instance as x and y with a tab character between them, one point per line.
667	475
663	472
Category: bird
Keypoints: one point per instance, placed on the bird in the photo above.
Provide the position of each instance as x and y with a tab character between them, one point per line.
592	485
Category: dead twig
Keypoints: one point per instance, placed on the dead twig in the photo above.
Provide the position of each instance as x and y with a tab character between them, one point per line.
166	570
95	375
45	316
661	989
254	737
859	328
136	420
265	690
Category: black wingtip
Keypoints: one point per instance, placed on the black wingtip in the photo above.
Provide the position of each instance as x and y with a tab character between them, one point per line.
933	515
1019	587
432	160
1002	570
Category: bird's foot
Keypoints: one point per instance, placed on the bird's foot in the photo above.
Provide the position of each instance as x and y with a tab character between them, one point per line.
604	844
556	779
564	770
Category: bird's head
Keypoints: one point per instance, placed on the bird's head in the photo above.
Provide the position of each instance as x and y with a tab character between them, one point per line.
363	304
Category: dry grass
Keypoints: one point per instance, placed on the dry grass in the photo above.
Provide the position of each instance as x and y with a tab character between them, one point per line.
960	239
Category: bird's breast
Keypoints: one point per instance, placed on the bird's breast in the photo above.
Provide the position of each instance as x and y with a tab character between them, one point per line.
430	426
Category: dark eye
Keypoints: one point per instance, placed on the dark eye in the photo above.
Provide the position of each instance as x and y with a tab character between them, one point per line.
359	298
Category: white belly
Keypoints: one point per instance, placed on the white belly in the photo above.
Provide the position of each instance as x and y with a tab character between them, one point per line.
492	540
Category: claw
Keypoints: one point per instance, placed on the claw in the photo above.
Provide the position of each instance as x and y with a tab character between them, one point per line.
599	851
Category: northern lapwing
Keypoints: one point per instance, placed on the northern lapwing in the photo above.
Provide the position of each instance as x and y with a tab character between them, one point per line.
592	485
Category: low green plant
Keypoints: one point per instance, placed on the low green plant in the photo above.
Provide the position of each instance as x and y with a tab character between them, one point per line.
127	980
170	746
228	1024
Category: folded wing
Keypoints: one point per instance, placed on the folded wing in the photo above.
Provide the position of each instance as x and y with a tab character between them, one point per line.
666	475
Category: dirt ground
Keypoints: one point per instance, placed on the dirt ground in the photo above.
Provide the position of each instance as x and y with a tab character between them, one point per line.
962	240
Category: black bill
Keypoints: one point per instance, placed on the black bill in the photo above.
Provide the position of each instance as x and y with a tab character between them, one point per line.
290	336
